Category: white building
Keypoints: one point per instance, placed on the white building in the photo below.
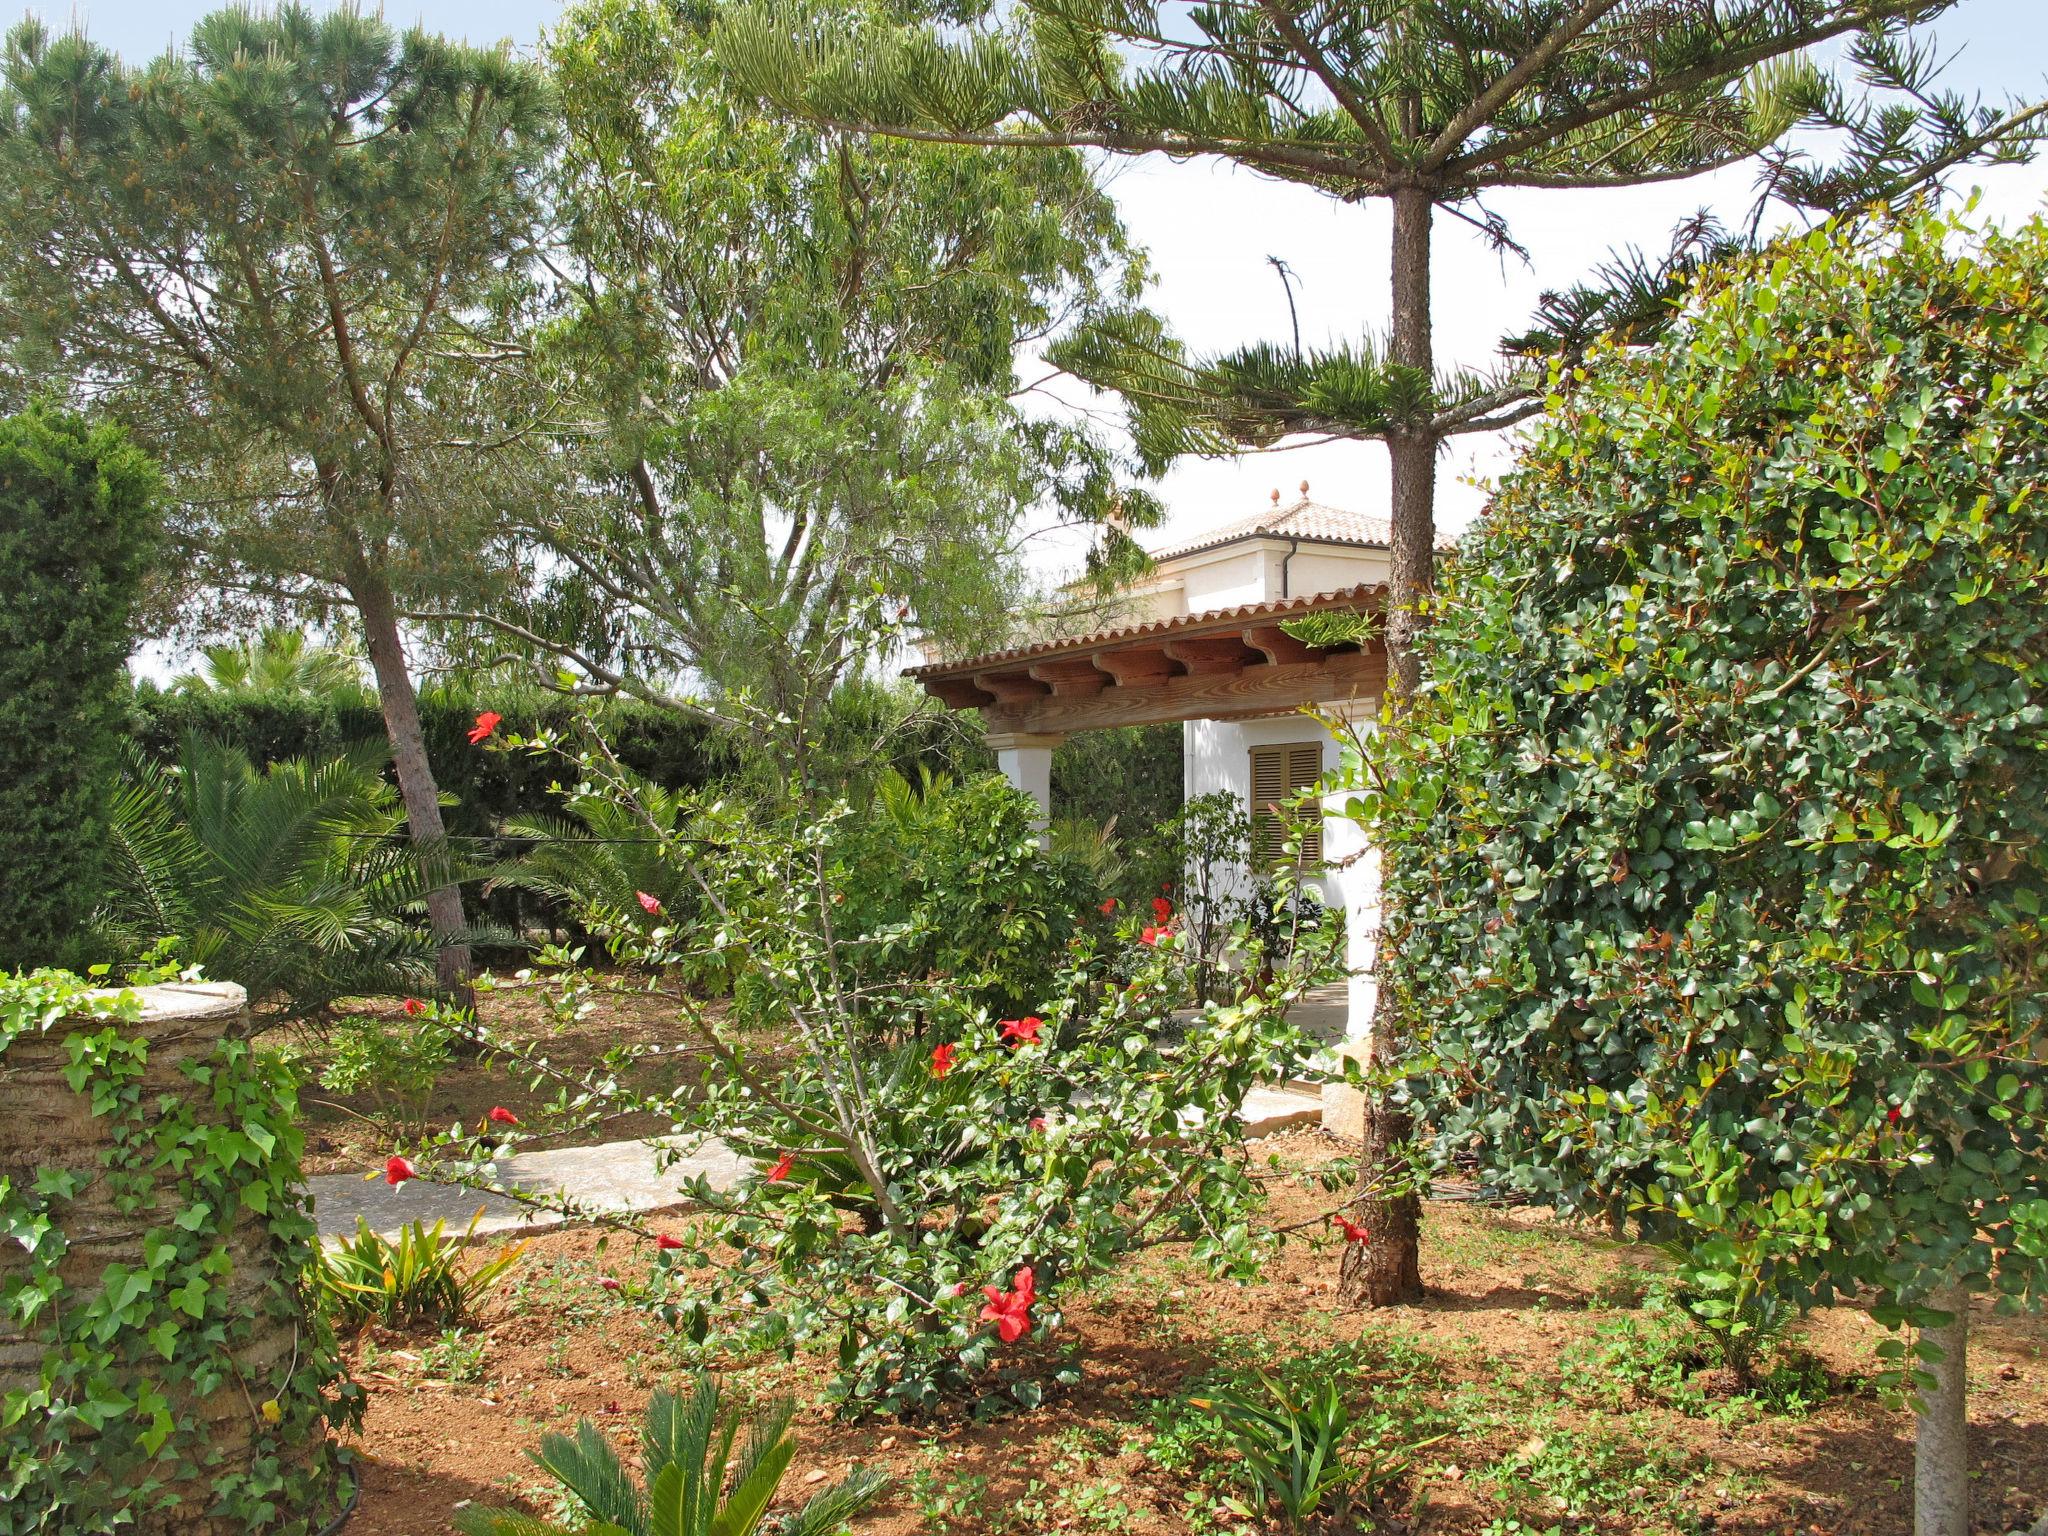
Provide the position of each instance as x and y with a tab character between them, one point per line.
1200	641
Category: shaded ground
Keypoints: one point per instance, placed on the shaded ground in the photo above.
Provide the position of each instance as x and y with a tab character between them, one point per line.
1519	1360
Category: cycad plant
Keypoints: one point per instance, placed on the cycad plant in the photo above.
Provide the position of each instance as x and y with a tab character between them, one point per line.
695	1486
294	880
601	857
280	659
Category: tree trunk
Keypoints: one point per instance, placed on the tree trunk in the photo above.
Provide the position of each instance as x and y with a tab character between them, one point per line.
1941	1449
416	786
1387	1270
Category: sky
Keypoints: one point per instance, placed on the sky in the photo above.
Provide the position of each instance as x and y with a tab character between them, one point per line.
1210	230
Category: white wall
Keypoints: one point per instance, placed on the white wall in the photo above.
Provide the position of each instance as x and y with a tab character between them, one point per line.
1216	756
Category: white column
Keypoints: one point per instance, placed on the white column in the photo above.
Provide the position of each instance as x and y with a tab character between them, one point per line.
1026	761
1346	844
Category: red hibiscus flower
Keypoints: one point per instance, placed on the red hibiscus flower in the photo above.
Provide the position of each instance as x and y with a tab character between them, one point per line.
1108	906
486	726
1022	1031
397	1170
665	1244
1154	935
1010	1310
1353	1232
1892	1114
1162	911
942	1059
500	1115
651	905
781	1169
414	1007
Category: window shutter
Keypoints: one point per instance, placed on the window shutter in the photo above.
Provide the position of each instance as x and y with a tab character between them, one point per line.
1280	772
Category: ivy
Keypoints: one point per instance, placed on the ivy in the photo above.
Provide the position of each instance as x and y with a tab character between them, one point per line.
105	1434
1716	840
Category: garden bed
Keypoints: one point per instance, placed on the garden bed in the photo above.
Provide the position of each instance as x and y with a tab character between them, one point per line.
344	1131
1555	1390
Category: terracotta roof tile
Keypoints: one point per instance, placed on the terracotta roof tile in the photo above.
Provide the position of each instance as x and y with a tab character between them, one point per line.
1353	598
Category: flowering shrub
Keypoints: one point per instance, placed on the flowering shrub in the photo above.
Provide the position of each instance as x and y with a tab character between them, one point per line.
933	1175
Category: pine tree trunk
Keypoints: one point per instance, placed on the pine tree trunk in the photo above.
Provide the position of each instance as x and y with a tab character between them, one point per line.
1386	1271
1941	1442
416	786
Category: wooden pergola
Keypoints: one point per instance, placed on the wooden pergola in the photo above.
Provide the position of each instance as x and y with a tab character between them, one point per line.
1229	664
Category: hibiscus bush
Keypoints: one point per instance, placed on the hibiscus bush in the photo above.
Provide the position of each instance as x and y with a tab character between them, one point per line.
932	1174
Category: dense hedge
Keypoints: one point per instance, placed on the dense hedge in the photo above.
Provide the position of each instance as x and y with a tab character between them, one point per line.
78	523
667	747
1719	837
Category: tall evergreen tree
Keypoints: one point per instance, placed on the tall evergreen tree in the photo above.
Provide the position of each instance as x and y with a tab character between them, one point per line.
1429	105
283	258
796	351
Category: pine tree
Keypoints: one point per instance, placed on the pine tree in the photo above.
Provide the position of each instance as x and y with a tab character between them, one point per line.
282	259
1429	105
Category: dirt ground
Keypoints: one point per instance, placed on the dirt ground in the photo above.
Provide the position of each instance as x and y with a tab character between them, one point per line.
349	1132
1510	1364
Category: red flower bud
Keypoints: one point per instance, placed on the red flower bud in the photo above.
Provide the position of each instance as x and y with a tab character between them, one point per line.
666	1244
651	905
781	1169
500	1115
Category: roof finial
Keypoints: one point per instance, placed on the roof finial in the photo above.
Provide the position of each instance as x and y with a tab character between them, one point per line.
1304	490
1276	495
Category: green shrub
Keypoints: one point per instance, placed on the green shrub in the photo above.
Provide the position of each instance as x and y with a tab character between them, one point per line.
1718	841
78	526
397	1062
694	1485
416	1280
294	881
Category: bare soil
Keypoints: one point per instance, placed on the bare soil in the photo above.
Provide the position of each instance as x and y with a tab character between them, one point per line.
1494	1360
346	1133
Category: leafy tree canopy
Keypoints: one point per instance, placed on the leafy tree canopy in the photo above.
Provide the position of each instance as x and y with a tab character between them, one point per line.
797	351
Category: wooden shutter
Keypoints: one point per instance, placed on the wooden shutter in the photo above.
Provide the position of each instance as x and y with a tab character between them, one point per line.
1279	773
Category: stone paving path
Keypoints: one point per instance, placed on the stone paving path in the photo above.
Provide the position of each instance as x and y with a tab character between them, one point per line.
621	1177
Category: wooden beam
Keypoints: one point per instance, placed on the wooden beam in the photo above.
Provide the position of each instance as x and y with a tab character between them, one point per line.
957	692
1278	646
1211	655
1015	686
1070	676
1262	690
1141	666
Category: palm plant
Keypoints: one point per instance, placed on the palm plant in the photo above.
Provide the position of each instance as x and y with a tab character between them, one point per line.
293	880
694	1484
280	659
599	857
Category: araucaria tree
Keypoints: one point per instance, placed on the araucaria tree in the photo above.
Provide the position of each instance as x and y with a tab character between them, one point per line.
1428	105
795	354
1721	833
283	258
78	527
